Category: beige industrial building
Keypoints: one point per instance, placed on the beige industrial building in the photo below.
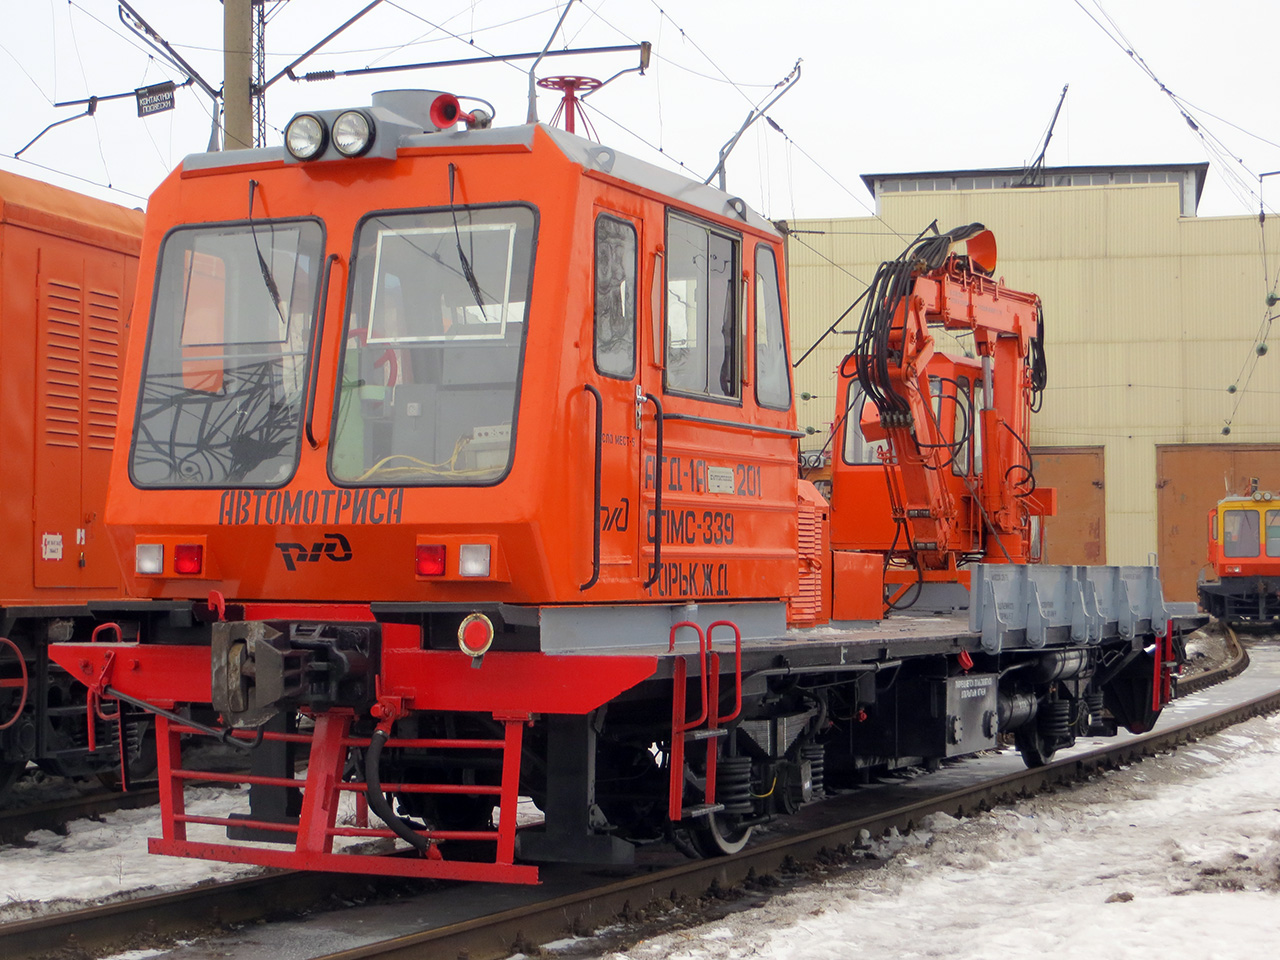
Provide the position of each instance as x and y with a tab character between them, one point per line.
1161	396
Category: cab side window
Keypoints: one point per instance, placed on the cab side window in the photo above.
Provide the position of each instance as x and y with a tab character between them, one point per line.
773	376
615	292
1241	536
702	310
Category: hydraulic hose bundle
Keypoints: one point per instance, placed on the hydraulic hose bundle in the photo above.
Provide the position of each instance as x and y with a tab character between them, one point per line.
889	289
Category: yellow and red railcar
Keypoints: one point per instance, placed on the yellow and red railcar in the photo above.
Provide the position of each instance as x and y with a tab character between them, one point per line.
67	269
467	459
1244	555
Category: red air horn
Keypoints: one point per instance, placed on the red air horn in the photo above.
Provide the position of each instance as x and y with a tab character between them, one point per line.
446	112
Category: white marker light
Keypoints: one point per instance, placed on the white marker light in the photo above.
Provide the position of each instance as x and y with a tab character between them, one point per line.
149	559
473	560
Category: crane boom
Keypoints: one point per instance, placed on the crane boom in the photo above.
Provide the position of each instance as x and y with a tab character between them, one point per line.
948	429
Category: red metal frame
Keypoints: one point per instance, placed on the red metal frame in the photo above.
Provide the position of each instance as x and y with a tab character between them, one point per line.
679	724
1165	662
709	713
509	686
322	787
507	683
23	681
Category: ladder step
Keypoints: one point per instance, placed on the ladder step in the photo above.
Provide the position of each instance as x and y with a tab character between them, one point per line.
703	733
701	810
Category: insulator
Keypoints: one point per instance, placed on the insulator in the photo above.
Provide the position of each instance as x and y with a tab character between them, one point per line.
816	754
733	784
1054	720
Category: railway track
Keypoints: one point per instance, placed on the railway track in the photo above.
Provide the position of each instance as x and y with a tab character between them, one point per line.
566	905
55	815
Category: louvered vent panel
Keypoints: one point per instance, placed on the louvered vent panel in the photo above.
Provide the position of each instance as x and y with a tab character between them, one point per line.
806	605
102	353
63	310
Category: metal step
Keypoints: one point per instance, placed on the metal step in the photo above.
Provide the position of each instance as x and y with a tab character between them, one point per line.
700	810
703	733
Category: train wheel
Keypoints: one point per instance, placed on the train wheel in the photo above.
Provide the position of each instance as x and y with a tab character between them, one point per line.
707	837
720	836
1033	746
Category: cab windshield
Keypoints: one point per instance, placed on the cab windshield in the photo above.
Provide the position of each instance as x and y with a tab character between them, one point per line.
225	374
433	347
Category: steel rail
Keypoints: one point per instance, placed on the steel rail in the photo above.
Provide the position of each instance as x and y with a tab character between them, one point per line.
17	823
210	908
198	911
518	929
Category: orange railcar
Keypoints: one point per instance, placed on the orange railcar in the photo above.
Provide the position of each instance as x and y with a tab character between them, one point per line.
1244	557
67	269
467	460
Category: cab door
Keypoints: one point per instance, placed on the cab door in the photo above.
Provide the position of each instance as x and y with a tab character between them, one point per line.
615	365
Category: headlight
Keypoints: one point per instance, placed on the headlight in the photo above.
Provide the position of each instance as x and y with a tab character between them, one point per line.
353	133
304	138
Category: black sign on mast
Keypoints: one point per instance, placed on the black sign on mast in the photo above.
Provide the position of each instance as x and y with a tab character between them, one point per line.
156	98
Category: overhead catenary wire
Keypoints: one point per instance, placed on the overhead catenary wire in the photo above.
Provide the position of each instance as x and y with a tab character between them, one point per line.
421	40
1226	165
110	28
1227	161
75	43
27	73
74	176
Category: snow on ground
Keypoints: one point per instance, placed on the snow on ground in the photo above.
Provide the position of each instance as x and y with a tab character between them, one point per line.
1176	858
104	859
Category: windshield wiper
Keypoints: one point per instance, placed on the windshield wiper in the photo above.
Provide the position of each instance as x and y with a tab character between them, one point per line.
267	278
467	273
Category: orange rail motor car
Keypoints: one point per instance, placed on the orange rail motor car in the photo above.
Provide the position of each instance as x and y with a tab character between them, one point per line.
67	269
466	460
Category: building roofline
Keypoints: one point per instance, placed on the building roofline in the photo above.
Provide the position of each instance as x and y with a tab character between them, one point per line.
1201	171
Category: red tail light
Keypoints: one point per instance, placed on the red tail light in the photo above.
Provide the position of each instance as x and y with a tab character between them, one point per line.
188	559
475	634
431	560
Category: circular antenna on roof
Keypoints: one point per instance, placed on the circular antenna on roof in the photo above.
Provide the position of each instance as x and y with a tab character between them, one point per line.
570	87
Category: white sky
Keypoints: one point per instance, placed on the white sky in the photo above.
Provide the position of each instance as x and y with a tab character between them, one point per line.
886	87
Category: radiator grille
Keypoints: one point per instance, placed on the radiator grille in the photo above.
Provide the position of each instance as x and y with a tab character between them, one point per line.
62	320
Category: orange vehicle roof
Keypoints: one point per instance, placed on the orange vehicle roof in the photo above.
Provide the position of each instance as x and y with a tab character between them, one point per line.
32	203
